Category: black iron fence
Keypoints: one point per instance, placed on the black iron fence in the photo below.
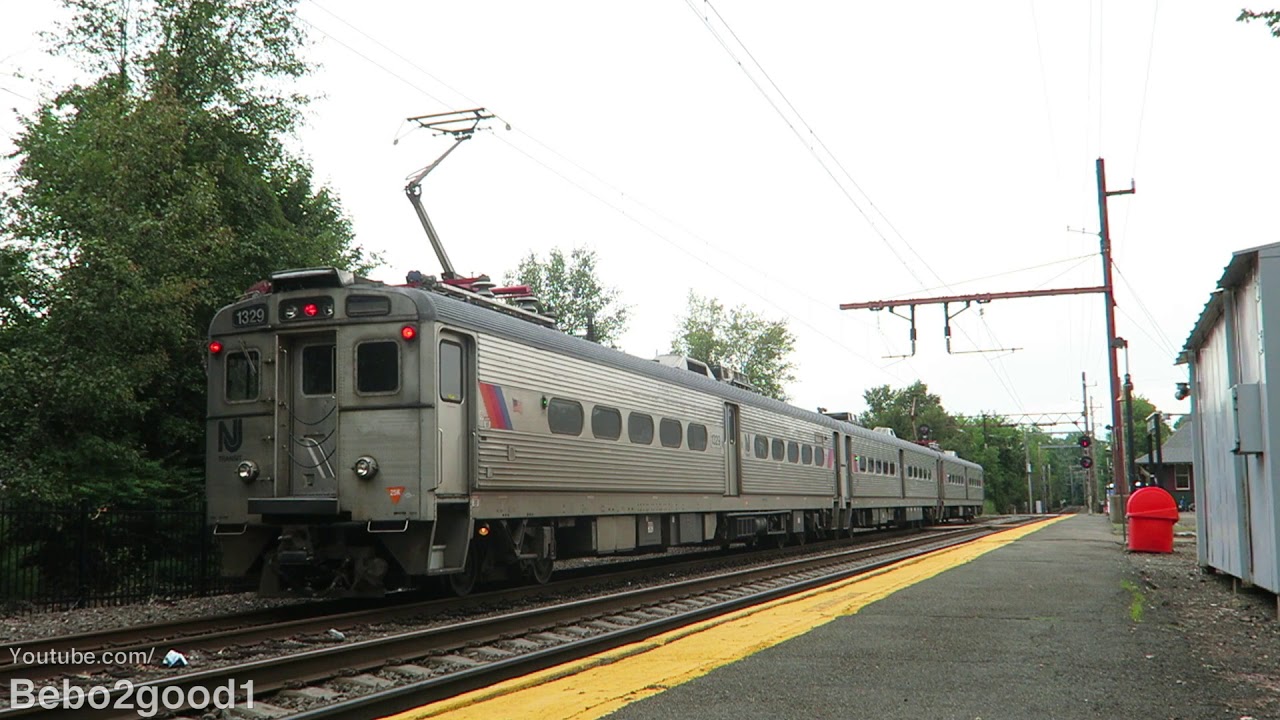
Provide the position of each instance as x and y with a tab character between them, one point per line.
58	557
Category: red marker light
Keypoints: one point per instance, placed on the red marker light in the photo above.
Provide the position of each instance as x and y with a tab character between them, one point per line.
408	333
310	309
215	347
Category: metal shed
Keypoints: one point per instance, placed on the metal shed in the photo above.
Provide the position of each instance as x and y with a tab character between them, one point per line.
1231	354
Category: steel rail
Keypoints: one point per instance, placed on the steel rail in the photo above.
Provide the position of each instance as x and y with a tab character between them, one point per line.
313	666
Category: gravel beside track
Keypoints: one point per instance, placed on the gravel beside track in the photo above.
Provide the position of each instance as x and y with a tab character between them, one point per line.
73	622
1234	634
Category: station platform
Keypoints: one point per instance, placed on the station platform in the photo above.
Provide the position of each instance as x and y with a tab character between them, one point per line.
1043	621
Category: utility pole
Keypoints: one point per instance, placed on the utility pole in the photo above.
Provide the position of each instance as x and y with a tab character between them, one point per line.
1026	446
1130	446
1089	482
1109	293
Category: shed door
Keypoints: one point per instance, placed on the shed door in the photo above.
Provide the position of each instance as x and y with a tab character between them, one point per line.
453	383
307	417
732	459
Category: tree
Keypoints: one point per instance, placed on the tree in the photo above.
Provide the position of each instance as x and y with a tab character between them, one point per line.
1144	440
573	293
739	339
1270	17
908	411
145	200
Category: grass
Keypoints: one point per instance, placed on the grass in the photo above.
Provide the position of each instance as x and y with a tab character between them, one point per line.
1136	600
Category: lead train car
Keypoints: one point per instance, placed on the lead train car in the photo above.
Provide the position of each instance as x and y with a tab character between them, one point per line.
363	437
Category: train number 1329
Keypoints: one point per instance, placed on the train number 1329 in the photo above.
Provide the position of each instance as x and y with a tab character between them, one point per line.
250	316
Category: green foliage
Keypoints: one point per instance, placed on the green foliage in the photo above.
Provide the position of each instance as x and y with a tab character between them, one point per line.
144	201
1144	439
570	289
906	411
1270	17
739	339
1001	448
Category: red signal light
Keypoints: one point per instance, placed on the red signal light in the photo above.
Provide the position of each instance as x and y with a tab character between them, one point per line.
408	332
310	309
215	347
1086	441
1086	462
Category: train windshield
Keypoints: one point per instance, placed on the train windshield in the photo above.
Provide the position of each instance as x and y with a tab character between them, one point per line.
242	376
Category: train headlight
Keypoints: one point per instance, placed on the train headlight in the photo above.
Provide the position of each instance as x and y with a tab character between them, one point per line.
247	471
365	468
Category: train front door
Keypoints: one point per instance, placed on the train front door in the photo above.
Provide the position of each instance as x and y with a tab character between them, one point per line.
732	457
307	415
454	416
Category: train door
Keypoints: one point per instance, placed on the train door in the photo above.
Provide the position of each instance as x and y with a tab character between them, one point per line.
453	415
839	462
940	471
307	415
732	458
850	465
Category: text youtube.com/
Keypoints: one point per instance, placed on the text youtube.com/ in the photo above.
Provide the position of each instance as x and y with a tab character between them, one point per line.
145	699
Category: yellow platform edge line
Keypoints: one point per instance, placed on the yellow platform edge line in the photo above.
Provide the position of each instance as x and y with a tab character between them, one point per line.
595	686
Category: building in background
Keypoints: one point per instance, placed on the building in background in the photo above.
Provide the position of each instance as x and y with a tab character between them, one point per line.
1175	471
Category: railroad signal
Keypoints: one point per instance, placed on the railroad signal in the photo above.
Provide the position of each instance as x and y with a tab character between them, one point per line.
1086	444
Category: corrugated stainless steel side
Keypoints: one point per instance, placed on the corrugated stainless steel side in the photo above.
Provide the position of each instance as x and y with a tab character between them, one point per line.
534	459
766	476
953	484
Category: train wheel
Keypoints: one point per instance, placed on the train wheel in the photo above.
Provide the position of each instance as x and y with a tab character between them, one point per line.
541	570
462	583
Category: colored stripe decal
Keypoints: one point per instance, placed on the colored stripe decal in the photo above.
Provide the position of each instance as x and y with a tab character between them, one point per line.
495	404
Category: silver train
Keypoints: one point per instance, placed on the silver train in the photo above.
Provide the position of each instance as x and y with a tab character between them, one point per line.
365	437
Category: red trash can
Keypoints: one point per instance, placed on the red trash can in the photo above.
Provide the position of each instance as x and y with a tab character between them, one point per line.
1152	513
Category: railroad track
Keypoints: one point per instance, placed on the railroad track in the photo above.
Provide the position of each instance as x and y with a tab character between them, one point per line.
437	662
314	619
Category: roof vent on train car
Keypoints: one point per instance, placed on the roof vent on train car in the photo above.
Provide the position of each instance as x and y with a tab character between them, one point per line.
310	279
841	416
732	377
686	363
886	431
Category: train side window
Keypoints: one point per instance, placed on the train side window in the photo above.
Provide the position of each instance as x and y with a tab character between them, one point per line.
451	385
893	468
242	381
698	436
564	416
318	362
762	447
606	423
819	457
640	428
670	434
779	449
793	451
806	455
879	468
862	464
377	367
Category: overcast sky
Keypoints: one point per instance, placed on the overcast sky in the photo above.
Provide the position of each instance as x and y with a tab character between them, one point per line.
920	150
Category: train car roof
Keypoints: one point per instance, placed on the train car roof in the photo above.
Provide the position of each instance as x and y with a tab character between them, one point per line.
447	309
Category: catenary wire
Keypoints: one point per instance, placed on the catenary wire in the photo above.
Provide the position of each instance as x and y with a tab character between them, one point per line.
794	316
707	23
